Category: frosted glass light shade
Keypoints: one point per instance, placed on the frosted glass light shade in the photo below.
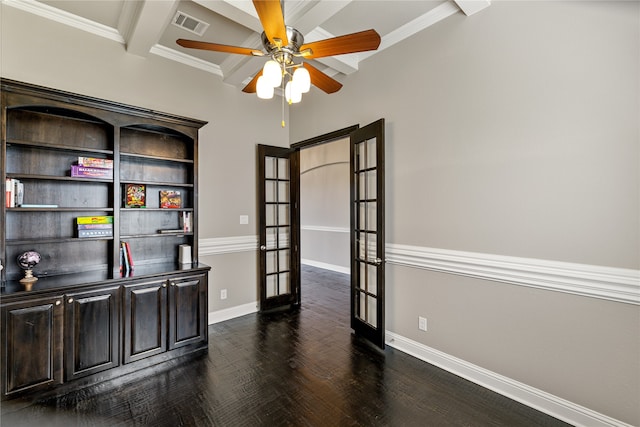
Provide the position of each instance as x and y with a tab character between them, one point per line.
302	79
263	89
292	94
272	73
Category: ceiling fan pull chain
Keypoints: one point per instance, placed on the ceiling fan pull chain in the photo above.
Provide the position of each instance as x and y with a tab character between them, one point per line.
283	101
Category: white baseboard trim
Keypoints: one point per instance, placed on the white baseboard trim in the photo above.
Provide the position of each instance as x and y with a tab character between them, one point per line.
332	267
542	401
614	284
232	312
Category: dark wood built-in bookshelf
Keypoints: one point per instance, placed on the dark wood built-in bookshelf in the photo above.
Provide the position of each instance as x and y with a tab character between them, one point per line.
82	287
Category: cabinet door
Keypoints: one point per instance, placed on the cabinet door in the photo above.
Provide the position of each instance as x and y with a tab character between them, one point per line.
145	320
187	311
32	344
92	325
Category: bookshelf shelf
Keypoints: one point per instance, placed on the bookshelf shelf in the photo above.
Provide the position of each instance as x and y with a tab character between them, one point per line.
146	236
16	242
57	178
40	145
156	158
59	209
156	209
159	184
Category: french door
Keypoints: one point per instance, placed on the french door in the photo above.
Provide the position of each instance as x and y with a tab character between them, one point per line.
279	224
367	232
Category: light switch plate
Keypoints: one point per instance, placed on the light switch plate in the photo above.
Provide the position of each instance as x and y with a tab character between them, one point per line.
244	219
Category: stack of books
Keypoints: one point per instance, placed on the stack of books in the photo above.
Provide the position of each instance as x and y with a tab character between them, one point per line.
92	167
14	193
95	226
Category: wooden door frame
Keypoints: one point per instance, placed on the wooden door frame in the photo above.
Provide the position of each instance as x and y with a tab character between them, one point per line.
297	147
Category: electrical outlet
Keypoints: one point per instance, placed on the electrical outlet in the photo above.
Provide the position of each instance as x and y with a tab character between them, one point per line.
244	219
422	323
223	294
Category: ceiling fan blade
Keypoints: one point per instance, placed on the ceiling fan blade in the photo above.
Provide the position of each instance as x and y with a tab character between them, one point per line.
194	44
349	43
321	80
272	20
251	86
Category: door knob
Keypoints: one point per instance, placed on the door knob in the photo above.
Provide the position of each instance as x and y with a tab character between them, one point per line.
263	248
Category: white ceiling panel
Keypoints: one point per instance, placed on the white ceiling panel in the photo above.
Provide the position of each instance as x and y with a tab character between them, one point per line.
146	29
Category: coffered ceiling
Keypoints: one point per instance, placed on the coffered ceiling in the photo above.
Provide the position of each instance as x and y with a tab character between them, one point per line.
146	27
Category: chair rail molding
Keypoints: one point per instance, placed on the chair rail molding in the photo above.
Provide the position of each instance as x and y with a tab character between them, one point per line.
609	283
615	284
227	245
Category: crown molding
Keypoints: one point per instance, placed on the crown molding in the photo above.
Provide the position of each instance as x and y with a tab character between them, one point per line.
185	59
66	18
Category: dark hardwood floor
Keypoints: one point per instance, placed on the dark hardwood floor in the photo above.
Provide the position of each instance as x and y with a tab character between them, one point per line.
301	368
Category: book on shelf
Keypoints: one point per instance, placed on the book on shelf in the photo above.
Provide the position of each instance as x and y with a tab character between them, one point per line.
95	226
126	260
79	171
170	199
95	162
171	231
14	193
121	258
135	195
106	232
186	221
94	220
8	193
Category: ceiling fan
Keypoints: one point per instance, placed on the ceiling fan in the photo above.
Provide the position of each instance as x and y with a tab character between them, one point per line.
286	48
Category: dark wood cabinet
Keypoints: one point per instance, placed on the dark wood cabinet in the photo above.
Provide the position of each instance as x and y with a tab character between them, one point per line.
88	318
145	320
92	331
164	315
187	311
32	344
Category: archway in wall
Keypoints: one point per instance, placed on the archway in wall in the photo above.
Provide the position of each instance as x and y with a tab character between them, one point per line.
324	206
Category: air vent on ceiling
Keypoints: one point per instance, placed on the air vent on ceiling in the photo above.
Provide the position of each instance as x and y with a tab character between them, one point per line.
190	23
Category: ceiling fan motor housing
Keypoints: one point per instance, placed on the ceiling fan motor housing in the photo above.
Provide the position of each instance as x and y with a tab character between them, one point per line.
284	54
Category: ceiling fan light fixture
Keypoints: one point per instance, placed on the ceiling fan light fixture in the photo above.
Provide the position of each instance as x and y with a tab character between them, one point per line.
272	73
291	93
263	89
302	79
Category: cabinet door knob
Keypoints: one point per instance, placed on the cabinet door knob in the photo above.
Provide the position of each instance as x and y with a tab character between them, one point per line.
58	302
173	283
164	285
70	300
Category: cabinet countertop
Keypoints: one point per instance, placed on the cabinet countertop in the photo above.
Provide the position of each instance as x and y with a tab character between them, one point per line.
69	282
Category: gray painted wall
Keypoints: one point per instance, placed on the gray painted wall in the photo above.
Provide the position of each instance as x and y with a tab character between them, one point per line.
512	132
519	136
